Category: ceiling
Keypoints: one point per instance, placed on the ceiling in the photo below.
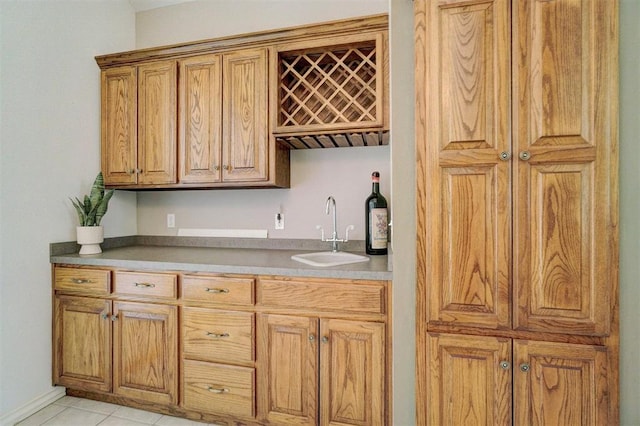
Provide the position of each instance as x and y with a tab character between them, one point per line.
141	5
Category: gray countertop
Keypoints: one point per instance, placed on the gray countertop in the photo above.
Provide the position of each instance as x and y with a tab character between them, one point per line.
264	260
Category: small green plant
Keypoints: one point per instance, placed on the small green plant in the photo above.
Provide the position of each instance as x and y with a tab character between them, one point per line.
94	206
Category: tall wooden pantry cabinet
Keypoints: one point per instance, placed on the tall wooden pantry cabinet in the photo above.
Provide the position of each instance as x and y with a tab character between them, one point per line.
517	281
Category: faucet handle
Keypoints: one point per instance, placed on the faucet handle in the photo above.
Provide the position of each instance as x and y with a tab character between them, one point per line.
346	233
321	232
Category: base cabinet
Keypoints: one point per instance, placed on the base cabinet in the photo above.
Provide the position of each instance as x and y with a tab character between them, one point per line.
493	381
320	371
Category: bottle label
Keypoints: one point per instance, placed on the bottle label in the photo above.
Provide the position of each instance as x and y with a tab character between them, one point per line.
378	223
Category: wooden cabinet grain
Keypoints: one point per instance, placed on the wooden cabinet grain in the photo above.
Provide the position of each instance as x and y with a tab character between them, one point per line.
517	204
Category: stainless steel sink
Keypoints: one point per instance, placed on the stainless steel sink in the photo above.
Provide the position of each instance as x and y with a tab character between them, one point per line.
329	258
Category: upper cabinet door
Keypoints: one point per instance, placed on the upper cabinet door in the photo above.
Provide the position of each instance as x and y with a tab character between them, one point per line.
200	112
245	130
157	123
565	164
119	125
463	93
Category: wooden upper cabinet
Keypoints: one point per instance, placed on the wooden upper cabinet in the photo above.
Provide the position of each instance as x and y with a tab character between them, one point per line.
157	143
245	132
565	83
463	184
559	383
200	115
119	118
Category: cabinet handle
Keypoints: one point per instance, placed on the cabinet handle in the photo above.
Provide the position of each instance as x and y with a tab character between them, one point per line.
217	290
505	155
145	285
504	365
81	281
325	339
217	390
217	335
525	155
524	367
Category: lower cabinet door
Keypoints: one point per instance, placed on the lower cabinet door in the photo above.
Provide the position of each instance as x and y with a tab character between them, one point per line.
560	383
146	352
352	372
288	369
469	380
219	389
82	343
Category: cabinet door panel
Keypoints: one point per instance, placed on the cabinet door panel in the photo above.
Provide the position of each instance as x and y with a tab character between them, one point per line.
288	369
200	111
463	95
352	371
146	352
119	137
157	123
564	384
564	202
466	383
245	132
82	343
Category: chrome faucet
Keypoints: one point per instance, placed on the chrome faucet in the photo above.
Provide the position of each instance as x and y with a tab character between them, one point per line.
331	202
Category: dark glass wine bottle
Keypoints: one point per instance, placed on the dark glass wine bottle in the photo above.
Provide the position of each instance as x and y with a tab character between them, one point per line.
376	220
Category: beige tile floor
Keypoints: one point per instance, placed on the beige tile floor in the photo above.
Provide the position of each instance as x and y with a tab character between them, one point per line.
71	411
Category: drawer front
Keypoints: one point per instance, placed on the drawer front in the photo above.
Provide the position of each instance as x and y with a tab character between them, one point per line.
223	336
146	284
219	389
233	291
366	297
81	280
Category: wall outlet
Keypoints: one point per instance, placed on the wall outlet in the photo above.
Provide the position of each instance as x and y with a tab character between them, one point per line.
171	220
279	224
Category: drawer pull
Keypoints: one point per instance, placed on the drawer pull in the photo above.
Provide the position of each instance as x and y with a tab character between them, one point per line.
145	285
217	390
217	290
217	335
81	281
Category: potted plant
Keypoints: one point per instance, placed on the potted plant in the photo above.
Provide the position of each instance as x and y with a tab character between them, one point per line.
90	211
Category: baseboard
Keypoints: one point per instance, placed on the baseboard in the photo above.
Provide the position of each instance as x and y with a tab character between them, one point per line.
31	407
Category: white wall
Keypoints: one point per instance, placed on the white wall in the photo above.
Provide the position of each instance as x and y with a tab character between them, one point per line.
50	150
344	173
629	212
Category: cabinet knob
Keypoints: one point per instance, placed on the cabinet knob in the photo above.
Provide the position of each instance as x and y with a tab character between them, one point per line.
524	367
505	155
505	365
227	167
104	316
114	318
216	167
312	337
525	155
325	339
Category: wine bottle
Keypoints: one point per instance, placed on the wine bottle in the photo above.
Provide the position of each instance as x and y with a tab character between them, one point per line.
376	219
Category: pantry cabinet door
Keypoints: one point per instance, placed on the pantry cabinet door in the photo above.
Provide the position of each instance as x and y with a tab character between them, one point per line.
287	369
145	347
463	153
469	381
565	164
82	343
561	384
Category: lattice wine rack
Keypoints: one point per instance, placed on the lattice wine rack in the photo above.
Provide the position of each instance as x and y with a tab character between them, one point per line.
329	90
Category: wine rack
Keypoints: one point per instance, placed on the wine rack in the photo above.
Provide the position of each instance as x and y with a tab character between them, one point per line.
332	89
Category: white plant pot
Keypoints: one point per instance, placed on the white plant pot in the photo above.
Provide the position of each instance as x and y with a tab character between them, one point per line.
90	237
